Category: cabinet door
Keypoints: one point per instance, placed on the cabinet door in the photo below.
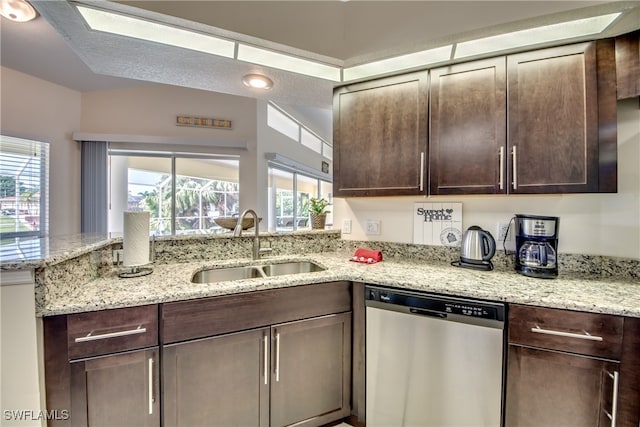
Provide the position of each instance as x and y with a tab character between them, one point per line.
548	388
467	140
120	390
553	120
628	65
218	381
380	137
311	375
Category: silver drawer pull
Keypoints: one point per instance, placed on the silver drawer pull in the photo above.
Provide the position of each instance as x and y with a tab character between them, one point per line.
91	337
584	336
614	405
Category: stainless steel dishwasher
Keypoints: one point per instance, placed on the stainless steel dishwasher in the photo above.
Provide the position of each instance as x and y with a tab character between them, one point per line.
433	360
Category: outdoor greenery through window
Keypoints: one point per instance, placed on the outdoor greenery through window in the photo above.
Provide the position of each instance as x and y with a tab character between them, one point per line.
24	182
287	212
183	193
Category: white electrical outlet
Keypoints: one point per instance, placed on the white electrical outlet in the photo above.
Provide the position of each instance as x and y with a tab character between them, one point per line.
372	226
502	228
116	255
346	226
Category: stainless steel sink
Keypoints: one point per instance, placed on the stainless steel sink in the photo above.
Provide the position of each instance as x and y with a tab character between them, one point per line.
291	268
229	273
224	274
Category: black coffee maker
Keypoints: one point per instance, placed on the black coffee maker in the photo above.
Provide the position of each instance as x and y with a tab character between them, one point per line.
537	245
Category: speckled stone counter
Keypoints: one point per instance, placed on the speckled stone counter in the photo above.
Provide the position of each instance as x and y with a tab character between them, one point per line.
85	279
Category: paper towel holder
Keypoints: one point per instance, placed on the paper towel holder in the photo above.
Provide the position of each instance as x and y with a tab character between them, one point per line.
136	270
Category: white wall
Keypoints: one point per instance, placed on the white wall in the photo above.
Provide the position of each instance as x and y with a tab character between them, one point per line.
19	364
596	224
36	109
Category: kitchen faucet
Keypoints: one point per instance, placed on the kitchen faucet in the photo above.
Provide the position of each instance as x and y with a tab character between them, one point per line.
237	231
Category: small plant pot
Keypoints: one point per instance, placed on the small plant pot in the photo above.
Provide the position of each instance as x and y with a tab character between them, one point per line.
318	221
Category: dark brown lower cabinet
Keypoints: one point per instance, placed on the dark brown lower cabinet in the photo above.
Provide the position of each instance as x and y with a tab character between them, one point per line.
551	388
218	381
311	381
291	373
116	390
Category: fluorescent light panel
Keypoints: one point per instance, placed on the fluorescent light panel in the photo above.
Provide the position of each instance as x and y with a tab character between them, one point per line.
398	63
272	59
114	23
547	33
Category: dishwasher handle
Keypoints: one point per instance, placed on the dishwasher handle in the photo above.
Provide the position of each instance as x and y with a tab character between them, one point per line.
427	313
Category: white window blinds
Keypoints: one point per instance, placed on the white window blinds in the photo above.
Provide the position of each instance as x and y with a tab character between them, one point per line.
24	187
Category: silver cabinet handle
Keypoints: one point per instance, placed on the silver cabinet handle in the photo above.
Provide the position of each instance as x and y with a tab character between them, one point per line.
265	341
584	336
91	337
614	400
278	357
151	391
422	171
501	166
515	167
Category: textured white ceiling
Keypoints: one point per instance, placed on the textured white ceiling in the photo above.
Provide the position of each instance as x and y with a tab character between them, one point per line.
58	46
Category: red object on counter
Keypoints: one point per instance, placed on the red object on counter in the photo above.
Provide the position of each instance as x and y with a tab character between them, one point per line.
366	256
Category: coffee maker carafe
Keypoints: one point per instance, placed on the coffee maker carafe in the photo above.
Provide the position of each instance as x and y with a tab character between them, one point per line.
537	245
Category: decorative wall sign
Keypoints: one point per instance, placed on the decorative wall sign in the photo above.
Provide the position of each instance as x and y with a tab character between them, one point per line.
437	224
325	167
203	122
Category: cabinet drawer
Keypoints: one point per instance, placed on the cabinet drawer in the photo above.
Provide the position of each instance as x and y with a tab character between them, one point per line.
591	334
110	331
185	320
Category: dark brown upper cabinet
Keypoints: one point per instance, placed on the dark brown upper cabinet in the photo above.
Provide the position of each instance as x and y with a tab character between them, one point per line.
380	137
561	115
467	137
628	65
540	122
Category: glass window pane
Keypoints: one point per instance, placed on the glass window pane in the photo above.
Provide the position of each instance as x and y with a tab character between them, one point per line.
327	151
311	141
205	189
24	187
282	123
306	189
281	217
141	184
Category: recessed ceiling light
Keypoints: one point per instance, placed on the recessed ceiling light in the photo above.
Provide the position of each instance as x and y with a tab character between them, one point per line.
17	10
115	23
257	81
538	35
281	61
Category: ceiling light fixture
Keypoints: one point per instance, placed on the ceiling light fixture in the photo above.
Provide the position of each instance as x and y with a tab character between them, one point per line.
398	63
281	61
17	10
129	26
538	35
257	81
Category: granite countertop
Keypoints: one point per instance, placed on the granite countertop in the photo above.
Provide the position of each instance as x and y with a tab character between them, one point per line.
171	282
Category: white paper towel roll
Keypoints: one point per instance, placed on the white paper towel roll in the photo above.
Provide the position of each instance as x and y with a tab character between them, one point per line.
135	239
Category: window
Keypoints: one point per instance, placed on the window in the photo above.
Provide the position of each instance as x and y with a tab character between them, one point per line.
279	120
24	187
286	211
183	193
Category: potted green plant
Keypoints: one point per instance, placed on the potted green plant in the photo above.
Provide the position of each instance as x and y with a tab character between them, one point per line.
318	212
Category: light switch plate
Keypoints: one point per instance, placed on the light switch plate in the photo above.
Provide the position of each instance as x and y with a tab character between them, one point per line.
372	226
346	226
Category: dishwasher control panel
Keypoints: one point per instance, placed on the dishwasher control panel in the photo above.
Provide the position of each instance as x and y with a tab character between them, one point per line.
426	303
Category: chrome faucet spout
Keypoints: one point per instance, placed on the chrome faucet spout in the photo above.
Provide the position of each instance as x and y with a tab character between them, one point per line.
237	232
